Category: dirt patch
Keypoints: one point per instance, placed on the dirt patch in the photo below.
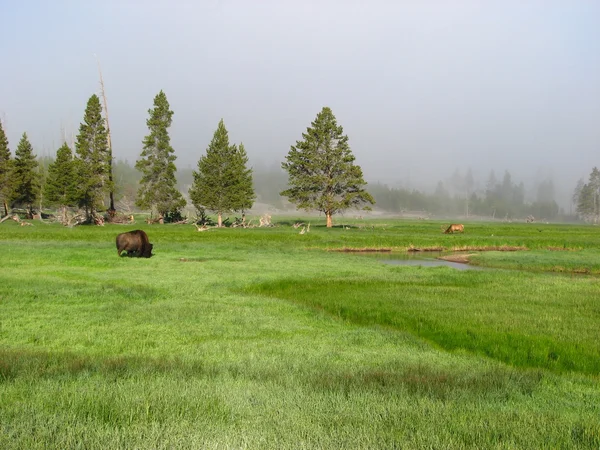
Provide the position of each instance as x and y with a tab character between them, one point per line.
425	249
469	248
360	250
561	249
489	248
459	258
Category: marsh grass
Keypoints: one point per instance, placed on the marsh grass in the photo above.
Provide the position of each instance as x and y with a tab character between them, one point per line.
515	318
258	338
584	261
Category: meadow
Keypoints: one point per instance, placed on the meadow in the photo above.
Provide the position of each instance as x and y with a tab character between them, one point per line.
265	338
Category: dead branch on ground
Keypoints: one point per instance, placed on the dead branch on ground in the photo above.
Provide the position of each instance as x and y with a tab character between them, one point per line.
265	221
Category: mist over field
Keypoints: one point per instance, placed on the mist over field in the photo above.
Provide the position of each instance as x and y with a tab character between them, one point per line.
423	89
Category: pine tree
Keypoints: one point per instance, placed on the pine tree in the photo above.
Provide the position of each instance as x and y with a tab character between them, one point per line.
92	162
577	193
585	202
469	183
61	184
158	186
5	170
321	169
594	186
26	187
242	190
491	189
218	184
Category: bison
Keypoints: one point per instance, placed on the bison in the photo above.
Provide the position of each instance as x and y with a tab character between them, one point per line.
135	243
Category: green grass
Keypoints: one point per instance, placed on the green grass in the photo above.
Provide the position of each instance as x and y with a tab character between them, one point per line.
570	261
260	338
515	318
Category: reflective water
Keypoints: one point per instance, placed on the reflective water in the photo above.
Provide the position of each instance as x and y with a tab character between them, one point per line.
424	259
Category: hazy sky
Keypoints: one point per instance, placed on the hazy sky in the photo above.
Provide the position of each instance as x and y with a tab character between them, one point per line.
421	87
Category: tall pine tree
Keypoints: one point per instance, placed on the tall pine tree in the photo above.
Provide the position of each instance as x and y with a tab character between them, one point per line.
321	169
158	186
26	186
586	203
594	184
5	170
223	183
61	184
92	162
588	197
242	190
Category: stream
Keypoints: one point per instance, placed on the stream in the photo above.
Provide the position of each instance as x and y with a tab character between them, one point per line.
424	259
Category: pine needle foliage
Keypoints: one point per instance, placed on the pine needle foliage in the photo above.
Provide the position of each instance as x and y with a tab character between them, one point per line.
5	170
158	186
93	158
61	184
321	169
223	182
25	175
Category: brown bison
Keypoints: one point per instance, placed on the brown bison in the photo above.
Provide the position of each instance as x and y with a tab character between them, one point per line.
135	243
455	227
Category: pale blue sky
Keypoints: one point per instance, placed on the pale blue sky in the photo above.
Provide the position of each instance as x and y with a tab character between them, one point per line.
420	87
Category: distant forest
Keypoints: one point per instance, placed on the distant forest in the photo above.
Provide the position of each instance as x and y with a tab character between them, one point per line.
501	199
42	182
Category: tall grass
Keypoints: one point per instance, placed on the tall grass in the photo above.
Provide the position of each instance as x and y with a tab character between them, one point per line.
525	320
259	338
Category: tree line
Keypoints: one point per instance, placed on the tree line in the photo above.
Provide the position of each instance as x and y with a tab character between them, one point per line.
321	168
499	199
318	173
587	197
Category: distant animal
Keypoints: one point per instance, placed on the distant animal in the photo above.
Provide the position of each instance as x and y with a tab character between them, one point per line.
455	227
135	243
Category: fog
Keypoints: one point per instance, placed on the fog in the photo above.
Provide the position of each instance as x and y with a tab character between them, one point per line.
421	88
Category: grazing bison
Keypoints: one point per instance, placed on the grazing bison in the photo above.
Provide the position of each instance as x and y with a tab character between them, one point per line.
455	227
135	243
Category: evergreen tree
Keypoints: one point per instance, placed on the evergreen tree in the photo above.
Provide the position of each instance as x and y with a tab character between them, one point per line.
585	202
321	169
5	170
43	166
594	186
577	192
242	190
26	187
219	184
158	186
92	162
491	190
61	184
545	192
469	183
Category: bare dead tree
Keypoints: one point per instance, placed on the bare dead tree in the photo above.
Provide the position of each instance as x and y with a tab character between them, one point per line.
111	209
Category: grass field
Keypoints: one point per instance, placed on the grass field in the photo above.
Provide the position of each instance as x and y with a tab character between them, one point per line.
264	338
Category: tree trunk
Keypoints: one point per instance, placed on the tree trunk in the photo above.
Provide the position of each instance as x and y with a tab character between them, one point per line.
111	208
329	222
219	220
5	208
